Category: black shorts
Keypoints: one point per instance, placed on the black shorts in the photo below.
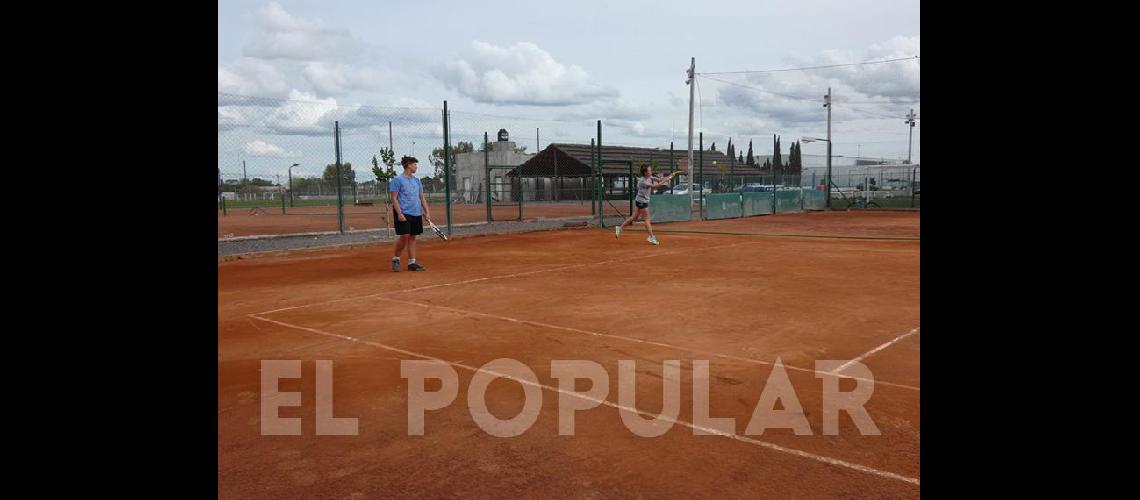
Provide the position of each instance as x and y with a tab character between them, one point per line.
640	204
413	225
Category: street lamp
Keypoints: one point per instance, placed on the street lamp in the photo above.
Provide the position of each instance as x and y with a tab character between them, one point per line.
291	183
827	104
827	181
910	134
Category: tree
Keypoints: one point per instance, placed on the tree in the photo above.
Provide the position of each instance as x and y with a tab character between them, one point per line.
248	189
795	160
386	174
777	158
388	157
347	174
713	147
741	159
436	159
751	161
308	185
731	149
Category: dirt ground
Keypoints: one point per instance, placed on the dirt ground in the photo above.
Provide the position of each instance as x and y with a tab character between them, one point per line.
740	301
268	221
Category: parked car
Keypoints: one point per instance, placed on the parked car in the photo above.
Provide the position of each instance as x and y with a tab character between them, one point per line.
683	189
757	188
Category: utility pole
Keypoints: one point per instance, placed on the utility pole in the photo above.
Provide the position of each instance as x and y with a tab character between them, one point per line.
827	104
691	82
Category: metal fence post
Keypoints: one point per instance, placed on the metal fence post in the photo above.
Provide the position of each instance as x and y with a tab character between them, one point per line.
601	177
487	169
593	179
339	192
447	165
221	199
701	161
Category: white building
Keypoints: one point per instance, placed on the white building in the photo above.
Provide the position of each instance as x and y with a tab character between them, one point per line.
471	174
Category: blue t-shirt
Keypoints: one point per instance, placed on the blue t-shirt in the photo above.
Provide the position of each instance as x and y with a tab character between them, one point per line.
409	190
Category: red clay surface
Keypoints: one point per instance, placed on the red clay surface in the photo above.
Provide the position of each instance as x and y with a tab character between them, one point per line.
739	302
871	224
269	221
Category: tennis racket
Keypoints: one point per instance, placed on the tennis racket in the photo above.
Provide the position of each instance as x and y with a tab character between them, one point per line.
438	231
672	174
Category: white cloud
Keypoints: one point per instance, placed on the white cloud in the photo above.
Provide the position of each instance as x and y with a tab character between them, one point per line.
777	109
893	81
248	76
306	114
262	148
873	91
521	74
750	127
617	109
286	36
633	127
303	114
229	118
338	78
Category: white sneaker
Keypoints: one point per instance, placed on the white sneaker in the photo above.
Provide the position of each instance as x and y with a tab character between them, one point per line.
617	232
653	240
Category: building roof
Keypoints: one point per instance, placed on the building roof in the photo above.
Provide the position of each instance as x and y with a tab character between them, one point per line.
574	160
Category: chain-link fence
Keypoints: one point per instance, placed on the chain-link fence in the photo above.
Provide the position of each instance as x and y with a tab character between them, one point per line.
291	166
278	163
877	186
510	168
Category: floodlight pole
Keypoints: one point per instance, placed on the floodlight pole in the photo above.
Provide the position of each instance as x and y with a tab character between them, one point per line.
691	82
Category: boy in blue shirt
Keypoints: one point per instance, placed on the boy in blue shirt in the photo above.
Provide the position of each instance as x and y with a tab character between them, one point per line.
410	208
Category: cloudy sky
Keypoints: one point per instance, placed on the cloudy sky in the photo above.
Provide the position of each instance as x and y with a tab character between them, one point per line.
558	66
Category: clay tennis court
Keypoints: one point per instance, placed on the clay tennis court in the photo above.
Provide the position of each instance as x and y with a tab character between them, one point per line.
270	221
739	293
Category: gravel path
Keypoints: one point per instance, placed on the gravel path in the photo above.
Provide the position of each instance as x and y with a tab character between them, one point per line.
250	246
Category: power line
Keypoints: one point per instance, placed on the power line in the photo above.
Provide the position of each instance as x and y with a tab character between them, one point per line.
880	115
894	101
873	142
913	58
701	103
807	99
800	98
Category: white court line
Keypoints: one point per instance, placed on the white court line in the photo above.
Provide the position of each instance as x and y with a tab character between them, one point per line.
650	342
877	349
744	439
502	276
